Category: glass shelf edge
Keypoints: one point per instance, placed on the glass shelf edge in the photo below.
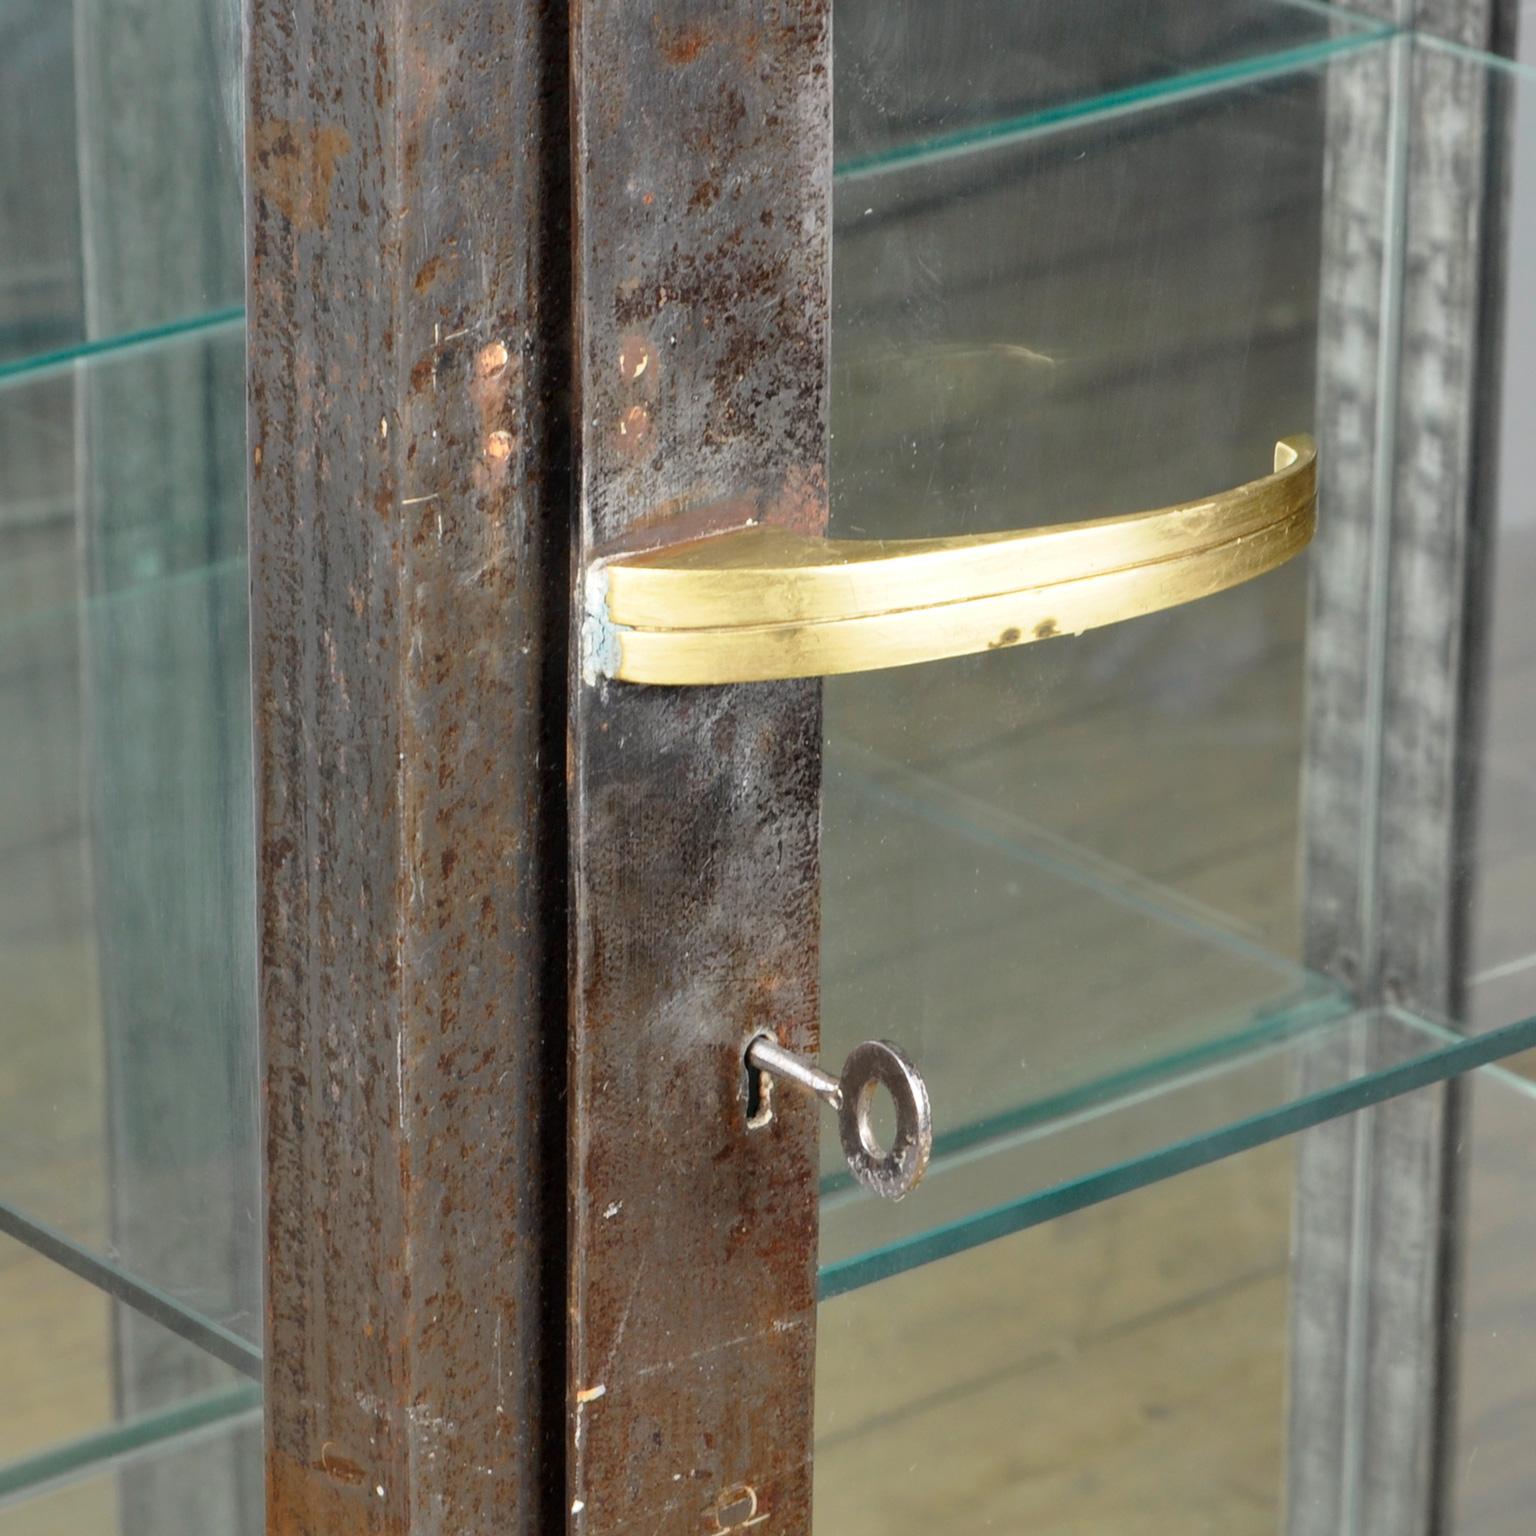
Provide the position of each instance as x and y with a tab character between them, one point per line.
41	364
28	1476
1275	1026
1169	91
1519	68
159	1306
1039	1206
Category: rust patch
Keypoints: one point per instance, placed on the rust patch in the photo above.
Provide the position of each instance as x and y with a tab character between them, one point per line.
1009	636
292	166
427	273
684	45
1046	628
342	1468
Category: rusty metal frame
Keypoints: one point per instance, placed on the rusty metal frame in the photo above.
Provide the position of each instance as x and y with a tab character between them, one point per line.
408	285
703	223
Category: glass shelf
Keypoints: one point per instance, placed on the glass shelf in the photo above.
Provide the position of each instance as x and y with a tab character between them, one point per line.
70	1404
1125	1368
1020	1169
956	79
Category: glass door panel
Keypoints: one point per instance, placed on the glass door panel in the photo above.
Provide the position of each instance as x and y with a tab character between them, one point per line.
1067	876
1065	872
1125	1368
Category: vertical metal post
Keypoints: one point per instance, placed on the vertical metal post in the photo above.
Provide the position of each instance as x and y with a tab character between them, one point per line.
703	170
1488	25
407	168
1390	785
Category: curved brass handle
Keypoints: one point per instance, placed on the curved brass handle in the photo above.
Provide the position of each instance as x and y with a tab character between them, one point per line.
762	603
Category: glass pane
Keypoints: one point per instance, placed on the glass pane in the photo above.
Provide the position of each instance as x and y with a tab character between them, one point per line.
1065	870
128	1103
1067	876
1125	1368
120	182
912	78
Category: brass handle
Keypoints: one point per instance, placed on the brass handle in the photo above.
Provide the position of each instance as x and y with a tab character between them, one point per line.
763	603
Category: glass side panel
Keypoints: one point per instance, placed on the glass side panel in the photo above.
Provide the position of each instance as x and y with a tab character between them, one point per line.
912	79
120	190
1493	1485
1125	1368
1500	773
128	1102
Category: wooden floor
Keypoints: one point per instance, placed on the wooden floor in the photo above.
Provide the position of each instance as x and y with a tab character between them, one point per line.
1120	1370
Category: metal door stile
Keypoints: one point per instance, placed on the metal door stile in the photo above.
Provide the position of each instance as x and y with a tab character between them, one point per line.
409	501
703	207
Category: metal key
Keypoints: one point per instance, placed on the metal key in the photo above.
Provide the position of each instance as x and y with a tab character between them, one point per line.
871	1066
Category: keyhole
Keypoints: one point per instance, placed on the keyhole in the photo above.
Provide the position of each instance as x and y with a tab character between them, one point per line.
759	1094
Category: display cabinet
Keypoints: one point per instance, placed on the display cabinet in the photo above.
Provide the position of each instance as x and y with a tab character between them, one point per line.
382	945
